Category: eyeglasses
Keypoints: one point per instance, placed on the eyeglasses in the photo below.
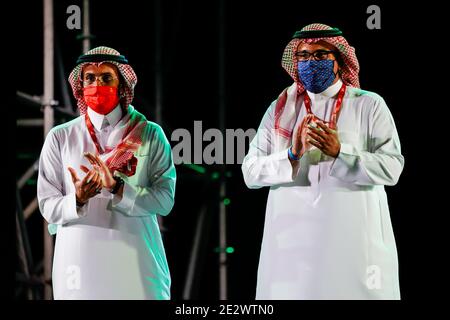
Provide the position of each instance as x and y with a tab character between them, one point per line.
318	55
104	79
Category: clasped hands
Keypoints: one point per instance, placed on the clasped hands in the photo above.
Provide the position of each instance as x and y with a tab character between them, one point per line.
98	177
322	137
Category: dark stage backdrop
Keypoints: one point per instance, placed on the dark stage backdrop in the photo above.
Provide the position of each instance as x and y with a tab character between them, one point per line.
255	36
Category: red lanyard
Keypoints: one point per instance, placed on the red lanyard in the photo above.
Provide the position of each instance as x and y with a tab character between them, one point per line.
337	107
91	130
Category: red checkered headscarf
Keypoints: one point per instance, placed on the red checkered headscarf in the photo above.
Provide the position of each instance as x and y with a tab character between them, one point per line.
122	158
127	82
349	68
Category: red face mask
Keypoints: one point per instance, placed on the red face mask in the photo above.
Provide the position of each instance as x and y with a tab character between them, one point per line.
101	99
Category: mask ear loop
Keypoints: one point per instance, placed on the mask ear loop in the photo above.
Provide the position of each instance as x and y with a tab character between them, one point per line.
338	70
122	93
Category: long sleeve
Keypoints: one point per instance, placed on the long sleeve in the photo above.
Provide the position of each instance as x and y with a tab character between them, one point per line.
262	166
157	197
383	163
56	205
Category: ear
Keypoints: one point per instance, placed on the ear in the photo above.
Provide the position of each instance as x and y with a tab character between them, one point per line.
121	90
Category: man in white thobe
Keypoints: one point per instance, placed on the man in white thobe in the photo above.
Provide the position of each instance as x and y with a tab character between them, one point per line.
104	178
326	149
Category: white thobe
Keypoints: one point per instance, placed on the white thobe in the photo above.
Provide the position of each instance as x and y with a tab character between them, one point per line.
327	232
111	248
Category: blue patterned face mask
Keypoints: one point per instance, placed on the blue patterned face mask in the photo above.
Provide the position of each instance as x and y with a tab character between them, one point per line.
316	75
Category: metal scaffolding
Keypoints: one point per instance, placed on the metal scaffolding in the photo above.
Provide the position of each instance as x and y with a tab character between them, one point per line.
203	220
35	277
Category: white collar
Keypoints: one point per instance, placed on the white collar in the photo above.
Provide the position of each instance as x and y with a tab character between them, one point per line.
113	117
329	92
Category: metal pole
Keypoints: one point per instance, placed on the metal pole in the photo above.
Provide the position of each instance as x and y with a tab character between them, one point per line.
48	124
62	81
86	30
158	63
48	67
223	244
158	76
23	244
30	208
194	256
28	174
222	211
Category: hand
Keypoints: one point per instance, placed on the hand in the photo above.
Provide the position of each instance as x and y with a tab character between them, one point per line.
299	143
107	177
326	140
90	186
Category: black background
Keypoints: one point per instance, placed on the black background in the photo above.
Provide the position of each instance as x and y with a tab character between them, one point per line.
256	34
